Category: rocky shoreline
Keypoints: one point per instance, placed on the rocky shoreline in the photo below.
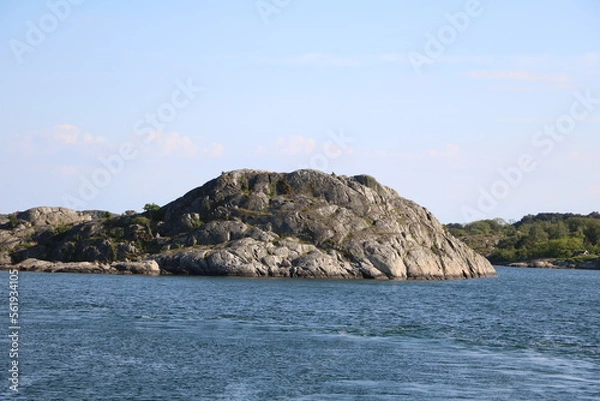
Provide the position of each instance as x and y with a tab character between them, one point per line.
249	223
147	267
558	264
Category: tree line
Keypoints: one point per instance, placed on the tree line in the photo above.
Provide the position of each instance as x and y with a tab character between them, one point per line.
565	236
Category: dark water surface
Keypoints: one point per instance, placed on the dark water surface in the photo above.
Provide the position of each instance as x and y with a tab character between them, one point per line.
530	334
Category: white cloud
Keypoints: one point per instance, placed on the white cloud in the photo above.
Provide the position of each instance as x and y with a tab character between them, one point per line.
215	150
323	59
73	135
260	151
535	88
70	170
529	61
519	75
295	145
66	133
172	143
590	59
53	141
465	59
393	58
175	144
336	60
538	120
449	152
524	120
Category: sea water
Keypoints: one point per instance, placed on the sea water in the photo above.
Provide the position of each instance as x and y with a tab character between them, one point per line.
529	334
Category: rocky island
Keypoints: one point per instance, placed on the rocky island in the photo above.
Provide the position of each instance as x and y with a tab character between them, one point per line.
249	223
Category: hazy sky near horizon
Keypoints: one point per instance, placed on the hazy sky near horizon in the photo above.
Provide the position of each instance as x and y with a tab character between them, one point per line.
473	109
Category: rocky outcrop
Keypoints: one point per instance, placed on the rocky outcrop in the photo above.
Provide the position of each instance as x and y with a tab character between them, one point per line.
148	267
38	227
593	264
255	223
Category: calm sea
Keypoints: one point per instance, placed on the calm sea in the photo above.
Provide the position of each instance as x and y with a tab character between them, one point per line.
527	335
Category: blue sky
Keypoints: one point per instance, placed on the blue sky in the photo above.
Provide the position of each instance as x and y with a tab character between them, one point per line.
474	109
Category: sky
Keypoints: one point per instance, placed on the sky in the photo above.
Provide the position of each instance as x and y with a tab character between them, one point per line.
473	109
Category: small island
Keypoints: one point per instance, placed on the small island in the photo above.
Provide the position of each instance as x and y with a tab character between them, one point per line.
250	223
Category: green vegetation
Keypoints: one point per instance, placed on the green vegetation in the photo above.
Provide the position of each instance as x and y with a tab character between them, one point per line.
154	211
146	223
13	220
436	249
568	236
63	228
245	186
141	220
117	233
197	223
281	187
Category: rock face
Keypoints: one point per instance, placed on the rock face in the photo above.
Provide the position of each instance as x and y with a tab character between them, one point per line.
255	223
149	267
38	227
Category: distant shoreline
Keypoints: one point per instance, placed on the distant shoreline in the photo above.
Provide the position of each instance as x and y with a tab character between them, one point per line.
556	264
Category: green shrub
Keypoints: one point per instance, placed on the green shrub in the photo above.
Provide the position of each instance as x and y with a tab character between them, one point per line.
558	248
503	256
154	211
196	223
283	187
63	228
141	220
118	233
592	233
13	220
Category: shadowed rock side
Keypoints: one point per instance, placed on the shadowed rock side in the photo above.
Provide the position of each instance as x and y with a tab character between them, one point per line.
251	223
